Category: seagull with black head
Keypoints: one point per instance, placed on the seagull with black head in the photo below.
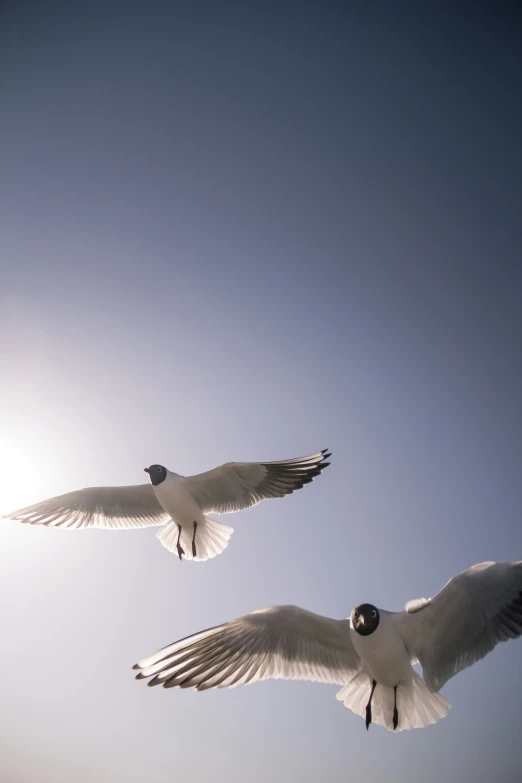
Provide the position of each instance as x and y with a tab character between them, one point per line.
371	654
180	504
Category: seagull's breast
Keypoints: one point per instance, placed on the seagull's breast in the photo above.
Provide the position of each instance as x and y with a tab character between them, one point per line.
383	653
177	502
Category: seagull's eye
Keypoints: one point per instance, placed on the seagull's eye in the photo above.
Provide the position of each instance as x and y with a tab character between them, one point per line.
374	613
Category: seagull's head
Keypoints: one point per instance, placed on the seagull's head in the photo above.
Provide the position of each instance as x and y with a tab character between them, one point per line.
157	474
365	619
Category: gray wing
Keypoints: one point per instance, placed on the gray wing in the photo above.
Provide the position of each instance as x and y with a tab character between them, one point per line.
280	642
473	613
107	507
238	485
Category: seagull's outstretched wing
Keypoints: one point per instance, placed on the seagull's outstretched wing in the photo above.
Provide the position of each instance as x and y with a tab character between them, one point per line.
281	642
238	485
473	613
108	507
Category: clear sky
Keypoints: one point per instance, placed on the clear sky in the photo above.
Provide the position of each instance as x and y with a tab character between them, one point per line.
247	232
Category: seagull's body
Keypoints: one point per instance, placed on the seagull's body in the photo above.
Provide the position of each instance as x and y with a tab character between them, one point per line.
180	504
384	656
177	501
371	654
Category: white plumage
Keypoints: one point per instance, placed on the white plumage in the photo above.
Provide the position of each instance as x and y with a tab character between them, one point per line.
179	503
279	642
468	618
473	612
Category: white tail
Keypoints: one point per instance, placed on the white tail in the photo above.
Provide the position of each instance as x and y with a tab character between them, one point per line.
211	539
416	705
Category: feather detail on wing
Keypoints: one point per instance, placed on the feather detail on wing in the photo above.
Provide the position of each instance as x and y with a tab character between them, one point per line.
105	507
280	642
239	485
473	613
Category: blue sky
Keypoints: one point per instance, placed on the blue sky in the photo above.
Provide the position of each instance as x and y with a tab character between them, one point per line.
240	232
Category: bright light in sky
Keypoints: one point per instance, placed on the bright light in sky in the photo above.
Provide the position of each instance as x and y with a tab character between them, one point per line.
28	473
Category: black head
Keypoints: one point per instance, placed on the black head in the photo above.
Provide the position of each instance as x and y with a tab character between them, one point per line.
365	619
157	474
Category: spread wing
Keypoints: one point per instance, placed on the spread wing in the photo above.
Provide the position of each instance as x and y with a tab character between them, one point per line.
473	613
107	507
281	642
238	485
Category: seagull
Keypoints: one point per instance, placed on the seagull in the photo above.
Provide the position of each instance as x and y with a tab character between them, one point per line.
179	504
370	655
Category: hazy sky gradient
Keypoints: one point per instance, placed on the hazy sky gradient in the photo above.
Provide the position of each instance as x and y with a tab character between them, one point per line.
239	232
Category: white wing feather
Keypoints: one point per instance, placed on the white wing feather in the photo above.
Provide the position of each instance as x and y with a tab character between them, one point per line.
280	642
106	507
473	613
239	485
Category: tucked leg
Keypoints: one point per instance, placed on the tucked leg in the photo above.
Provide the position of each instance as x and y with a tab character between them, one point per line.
369	707
194	540
395	712
180	549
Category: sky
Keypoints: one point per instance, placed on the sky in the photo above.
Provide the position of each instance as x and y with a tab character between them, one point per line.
249	231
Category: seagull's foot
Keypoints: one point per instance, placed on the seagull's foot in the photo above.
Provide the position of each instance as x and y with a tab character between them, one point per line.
395	711
194	553
369	706
180	549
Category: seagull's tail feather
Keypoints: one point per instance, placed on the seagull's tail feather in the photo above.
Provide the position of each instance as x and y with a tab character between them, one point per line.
211	539
416	705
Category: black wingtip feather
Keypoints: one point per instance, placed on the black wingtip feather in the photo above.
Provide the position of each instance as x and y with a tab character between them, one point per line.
153	682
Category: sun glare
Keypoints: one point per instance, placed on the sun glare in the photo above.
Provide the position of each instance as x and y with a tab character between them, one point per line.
27	474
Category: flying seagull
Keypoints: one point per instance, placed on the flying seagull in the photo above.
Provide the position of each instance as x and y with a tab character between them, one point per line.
371	654
179	503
